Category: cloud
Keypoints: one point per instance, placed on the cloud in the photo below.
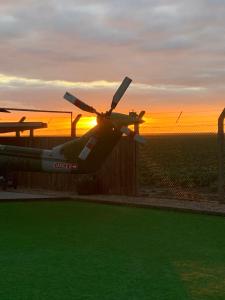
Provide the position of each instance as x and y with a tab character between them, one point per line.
22	82
169	47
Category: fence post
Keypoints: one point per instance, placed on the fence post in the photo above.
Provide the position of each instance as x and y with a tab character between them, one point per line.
137	149
74	125
221	175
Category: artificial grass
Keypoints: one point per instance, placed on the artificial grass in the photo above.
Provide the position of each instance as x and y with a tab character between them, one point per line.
70	250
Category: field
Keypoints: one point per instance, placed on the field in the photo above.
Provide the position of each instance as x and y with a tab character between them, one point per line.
180	161
70	250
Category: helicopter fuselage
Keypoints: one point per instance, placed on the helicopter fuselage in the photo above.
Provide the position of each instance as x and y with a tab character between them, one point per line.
61	159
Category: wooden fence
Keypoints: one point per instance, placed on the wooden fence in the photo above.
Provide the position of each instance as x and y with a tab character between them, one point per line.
117	176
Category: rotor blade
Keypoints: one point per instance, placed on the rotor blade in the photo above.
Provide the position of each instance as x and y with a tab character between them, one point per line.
80	104
120	92
138	138
88	148
4	110
141	115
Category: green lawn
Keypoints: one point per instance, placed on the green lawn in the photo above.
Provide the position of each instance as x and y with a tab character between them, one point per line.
68	250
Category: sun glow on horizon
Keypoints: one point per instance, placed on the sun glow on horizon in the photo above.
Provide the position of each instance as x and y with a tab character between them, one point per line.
87	122
155	123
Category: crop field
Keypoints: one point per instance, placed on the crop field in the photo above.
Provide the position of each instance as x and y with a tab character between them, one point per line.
179	161
71	250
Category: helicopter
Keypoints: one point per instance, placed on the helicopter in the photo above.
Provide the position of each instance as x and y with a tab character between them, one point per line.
82	155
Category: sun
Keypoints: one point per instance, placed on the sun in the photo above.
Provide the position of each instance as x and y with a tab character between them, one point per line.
92	122
87	122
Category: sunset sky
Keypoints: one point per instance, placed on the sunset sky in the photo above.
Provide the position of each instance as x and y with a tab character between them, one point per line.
173	50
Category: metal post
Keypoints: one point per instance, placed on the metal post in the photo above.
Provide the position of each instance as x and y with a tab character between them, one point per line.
71	123
136	128
221	175
137	187
74	125
137	131
31	133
